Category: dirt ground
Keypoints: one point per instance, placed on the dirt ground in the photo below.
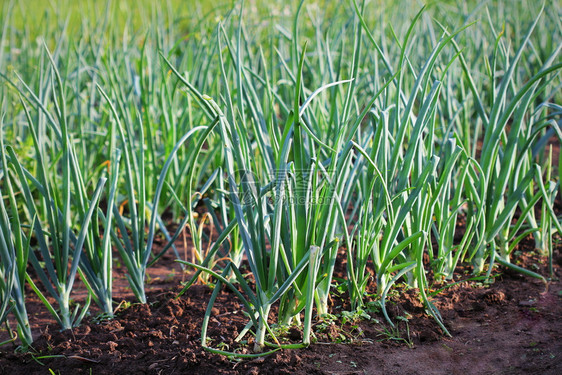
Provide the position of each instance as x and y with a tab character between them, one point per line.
511	326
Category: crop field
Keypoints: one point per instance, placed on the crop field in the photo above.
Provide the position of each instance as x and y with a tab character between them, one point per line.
293	187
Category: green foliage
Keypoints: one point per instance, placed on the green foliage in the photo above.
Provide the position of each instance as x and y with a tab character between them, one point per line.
398	138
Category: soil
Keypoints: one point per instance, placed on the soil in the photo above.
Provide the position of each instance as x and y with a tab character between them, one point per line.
511	326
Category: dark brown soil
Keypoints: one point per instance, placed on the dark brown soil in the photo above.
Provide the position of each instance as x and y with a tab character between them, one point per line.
512	326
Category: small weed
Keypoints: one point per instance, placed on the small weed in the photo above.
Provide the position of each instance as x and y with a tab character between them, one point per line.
102	317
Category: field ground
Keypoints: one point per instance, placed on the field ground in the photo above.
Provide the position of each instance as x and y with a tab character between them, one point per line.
512	326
